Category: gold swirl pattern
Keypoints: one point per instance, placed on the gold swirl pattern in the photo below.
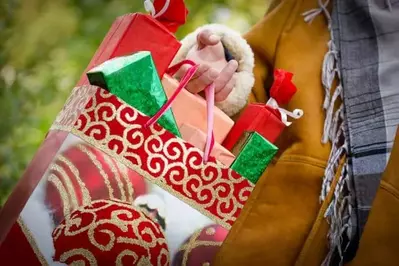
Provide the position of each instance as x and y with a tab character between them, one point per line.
29	237
167	161
73	107
81	174
110	232
197	241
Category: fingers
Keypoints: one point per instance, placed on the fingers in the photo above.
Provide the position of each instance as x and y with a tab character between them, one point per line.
206	76
225	79
206	37
225	92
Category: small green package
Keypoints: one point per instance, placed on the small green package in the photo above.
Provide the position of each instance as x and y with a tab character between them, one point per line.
253	154
134	79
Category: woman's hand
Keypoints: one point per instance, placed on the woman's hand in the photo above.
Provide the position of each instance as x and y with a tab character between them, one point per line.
209	54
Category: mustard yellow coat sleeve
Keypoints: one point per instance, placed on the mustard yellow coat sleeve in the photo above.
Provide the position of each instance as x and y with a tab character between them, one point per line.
282	223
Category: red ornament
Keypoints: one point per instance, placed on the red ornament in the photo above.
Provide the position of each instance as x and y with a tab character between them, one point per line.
110	233
282	89
83	173
201	248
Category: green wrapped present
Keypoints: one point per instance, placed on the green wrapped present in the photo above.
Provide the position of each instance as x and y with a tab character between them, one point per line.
253	154
134	79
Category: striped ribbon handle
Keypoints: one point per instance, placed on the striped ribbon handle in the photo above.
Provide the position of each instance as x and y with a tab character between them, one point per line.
210	103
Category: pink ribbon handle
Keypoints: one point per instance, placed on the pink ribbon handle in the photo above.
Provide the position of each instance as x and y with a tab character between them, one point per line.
210	103
210	99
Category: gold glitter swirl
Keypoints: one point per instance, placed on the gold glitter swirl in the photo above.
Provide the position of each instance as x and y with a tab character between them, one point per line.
124	172
117	176
63	193
194	242
193	158
100	169
126	116
98	130
153	144
68	183
85	192
134	137
105	94
84	254
105	112
211	172
137	230
126	253
73	107
157	164
177	173
164	254
25	230
173	149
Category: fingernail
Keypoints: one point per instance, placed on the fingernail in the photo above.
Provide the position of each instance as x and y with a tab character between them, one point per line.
214	38
213	74
233	64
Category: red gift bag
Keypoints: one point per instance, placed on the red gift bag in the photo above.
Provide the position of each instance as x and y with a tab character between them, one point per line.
83	200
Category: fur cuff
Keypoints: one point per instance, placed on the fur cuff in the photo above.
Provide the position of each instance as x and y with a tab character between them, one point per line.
241	52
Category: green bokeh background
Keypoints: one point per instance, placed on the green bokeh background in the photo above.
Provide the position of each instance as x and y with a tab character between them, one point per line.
45	45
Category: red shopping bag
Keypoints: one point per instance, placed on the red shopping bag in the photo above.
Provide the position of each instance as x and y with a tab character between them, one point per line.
84	186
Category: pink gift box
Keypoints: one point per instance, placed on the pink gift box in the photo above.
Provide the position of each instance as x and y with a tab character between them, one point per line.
190	109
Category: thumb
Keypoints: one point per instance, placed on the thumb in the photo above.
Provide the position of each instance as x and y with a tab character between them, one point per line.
207	38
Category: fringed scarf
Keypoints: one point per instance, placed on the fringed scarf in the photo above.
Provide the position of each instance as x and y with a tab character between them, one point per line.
363	57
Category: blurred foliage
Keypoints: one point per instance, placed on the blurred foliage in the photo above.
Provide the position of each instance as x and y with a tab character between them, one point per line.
46	44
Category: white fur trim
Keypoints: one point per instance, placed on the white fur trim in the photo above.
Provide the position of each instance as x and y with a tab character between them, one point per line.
241	51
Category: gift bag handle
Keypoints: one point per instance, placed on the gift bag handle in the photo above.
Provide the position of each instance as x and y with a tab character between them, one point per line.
210	102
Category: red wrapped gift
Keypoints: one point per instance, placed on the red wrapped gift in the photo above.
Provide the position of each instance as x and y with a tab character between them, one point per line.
256	117
132	33
171	14
269	120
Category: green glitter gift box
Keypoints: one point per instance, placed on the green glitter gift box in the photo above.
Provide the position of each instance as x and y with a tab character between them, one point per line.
134	79
253	154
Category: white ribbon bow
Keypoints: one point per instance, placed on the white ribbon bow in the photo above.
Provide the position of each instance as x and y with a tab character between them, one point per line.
149	7
296	114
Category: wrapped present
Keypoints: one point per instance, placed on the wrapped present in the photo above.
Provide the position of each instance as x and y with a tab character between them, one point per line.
269	120
171	14
137	32
191	109
134	79
197	138
253	154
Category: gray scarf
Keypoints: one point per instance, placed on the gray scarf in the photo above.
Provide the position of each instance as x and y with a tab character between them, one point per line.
364	56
